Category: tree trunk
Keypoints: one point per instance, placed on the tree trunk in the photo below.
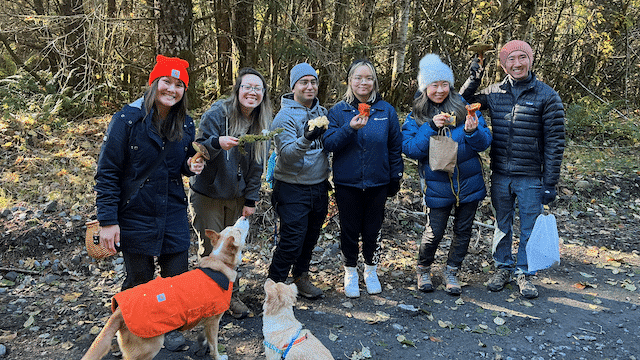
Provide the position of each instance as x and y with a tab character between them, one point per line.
332	67
243	27
225	46
364	30
174	19
401	49
75	45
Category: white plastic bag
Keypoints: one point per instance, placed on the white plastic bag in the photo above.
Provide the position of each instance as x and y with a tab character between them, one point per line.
543	247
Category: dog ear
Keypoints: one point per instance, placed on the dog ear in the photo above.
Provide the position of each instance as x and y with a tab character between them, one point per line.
213	236
268	284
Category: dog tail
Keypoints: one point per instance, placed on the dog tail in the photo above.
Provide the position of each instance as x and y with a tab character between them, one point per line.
102	343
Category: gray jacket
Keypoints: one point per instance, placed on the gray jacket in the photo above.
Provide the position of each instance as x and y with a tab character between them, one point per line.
299	160
229	174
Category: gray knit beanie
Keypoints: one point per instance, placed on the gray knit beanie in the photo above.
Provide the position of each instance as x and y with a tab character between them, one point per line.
300	70
432	69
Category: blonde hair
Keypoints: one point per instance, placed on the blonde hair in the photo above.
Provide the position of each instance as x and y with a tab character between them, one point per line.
348	95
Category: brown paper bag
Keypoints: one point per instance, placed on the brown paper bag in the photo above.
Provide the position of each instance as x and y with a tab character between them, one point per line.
92	241
443	151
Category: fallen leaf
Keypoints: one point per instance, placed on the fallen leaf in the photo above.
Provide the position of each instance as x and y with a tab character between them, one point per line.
503	330
527	303
29	322
459	302
332	336
498	321
435	339
586	275
437	301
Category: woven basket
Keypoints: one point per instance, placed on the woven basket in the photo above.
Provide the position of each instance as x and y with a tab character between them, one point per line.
92	241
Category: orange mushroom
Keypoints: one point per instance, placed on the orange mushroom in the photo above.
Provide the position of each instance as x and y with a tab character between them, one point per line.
364	108
472	108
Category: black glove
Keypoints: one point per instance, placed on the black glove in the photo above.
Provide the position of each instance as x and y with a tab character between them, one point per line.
393	188
548	195
313	134
476	69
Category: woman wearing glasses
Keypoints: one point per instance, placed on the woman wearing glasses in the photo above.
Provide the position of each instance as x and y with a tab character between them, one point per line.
367	168
229	186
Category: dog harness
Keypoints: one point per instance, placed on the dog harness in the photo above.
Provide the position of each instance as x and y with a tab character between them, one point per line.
286	349
178	302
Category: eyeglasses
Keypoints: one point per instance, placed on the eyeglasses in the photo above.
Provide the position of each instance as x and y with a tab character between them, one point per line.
257	89
305	83
359	79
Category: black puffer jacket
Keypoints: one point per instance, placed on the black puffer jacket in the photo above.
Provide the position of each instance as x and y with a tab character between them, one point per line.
528	130
154	221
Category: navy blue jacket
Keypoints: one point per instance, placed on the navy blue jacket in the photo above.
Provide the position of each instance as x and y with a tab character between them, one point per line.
154	221
369	157
528	129
466	180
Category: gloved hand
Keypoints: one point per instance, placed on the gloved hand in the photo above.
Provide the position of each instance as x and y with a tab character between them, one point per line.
476	69
313	134
548	195
393	188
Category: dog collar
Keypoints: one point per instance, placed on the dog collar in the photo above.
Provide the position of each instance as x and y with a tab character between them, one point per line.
285	351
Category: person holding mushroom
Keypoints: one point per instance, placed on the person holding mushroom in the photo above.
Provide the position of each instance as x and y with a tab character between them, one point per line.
437	106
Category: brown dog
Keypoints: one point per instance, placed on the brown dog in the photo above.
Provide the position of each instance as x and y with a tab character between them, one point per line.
143	314
283	334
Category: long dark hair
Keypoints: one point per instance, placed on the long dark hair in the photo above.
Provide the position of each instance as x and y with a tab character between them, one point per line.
424	109
172	126
261	116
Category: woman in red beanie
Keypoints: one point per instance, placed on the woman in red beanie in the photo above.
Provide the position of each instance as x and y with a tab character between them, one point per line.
141	203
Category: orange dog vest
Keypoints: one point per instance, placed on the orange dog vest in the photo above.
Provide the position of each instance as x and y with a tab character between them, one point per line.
178	302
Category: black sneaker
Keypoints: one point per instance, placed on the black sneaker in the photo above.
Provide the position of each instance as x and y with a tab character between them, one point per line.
499	280
306	288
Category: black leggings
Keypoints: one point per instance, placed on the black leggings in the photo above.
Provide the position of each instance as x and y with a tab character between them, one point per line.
141	268
361	213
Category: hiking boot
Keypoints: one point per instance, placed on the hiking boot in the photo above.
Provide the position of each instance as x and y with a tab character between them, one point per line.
351	288
371	279
174	341
527	289
237	308
424	278
499	280
306	288
451	281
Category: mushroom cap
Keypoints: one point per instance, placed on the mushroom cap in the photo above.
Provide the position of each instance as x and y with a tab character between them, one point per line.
201	149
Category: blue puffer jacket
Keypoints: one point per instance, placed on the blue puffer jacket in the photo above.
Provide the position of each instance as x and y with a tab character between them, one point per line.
154	221
467	182
369	157
528	130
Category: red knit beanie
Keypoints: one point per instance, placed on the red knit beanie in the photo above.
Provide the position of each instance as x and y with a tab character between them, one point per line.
515	45
170	66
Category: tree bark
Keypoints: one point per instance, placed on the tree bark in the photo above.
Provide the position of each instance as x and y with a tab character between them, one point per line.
244	35
224	45
401	48
75	44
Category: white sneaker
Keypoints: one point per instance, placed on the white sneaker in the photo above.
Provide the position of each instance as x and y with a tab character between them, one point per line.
371	279
351	288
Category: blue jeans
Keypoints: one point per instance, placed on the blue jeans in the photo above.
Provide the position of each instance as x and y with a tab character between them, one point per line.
504	192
